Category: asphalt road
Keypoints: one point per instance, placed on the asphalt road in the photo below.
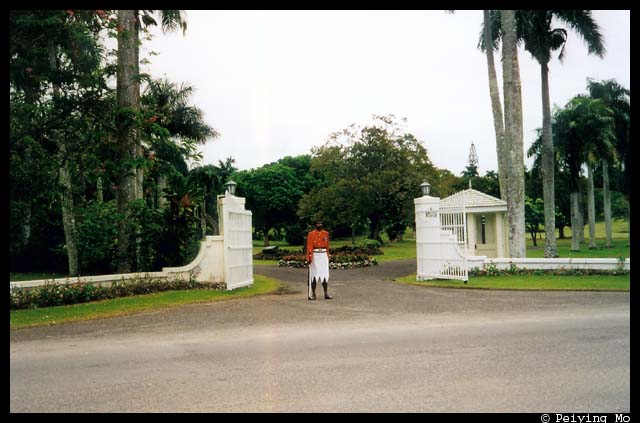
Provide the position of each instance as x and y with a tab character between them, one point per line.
377	347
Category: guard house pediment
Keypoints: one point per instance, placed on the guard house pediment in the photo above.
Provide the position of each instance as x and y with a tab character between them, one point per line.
475	201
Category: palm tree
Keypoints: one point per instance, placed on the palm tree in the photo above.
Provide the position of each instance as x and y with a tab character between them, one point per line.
581	130
616	97
128	103
167	105
513	135
541	40
496	106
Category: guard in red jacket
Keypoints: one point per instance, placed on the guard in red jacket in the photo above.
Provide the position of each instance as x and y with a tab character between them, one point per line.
318	259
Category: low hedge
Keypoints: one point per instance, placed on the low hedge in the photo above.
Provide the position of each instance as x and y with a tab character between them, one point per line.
56	294
492	270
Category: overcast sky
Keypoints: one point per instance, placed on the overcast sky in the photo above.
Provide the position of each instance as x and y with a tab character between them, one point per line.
276	83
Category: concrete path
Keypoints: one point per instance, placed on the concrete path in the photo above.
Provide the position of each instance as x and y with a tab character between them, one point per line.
377	346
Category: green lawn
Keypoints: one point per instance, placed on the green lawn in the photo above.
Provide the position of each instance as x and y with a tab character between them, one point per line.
406	249
620	248
620	241
134	304
531	282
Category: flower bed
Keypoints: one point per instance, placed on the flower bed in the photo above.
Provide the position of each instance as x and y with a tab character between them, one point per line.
347	250
491	269
337	261
56	294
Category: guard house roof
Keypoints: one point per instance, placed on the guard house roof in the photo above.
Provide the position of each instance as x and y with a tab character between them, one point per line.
474	202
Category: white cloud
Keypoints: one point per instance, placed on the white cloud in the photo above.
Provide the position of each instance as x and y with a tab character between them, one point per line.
276	83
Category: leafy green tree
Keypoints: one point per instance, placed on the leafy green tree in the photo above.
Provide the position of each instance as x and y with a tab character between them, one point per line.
616	98
584	122
376	170
212	179
534	216
561	180
489	183
56	80
272	193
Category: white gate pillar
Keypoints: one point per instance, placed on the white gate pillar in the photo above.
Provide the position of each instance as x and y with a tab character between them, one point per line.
427	234
235	227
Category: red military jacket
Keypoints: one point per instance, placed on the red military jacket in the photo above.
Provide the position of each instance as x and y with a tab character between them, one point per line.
317	239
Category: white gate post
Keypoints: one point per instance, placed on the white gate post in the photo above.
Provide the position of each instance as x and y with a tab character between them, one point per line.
427	235
235	227
440	239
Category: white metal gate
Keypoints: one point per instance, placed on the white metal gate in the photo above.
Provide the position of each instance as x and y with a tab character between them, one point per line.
440	240
454	220
238	246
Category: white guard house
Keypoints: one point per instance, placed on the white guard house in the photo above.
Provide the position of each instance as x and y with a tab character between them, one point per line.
486	222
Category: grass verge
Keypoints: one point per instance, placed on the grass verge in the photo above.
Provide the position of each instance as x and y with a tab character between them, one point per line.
135	304
531	282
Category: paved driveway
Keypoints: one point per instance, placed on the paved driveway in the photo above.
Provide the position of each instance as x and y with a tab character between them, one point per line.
377	346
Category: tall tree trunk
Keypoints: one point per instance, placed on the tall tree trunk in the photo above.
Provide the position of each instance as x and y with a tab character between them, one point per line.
139	149
547	168
161	185
629	224
513	135
561	234
128	93
496	108
139	172
64	179
99	192
575	224
203	220
68	215
533	238
374	229
266	237
606	198
591	207
81	180
581	211
26	227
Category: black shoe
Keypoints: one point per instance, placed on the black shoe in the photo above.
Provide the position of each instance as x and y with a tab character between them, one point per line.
328	297
312	298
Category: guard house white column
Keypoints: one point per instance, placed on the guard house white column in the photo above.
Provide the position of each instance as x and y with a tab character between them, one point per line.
427	233
471	235
499	236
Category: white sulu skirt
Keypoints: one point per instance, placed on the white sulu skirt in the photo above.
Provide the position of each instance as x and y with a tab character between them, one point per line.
319	267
